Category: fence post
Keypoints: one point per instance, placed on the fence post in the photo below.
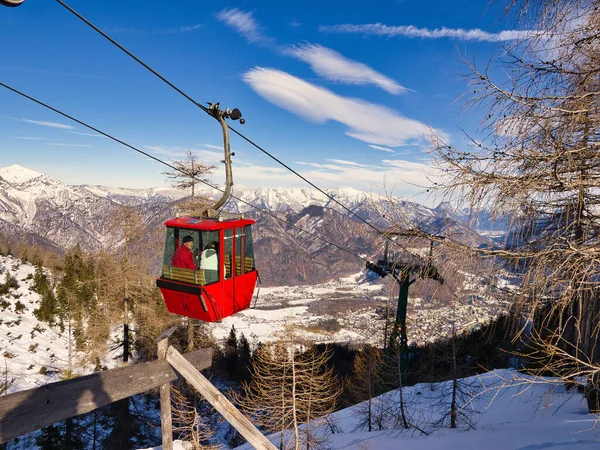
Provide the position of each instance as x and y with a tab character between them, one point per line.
219	401
165	394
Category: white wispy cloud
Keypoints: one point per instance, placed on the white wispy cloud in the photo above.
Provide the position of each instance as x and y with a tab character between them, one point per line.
406	178
346	163
325	62
185	28
474	34
44	123
383	149
64	144
174	30
333	66
30	138
243	22
86	134
368	122
214	147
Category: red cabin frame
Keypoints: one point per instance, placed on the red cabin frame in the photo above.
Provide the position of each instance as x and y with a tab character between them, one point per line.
190	293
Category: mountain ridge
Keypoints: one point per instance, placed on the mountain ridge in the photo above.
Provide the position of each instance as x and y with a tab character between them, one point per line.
60	215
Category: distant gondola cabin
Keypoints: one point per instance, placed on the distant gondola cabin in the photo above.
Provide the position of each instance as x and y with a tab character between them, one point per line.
221	280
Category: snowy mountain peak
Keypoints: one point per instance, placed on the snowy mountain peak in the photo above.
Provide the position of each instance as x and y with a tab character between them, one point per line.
17	174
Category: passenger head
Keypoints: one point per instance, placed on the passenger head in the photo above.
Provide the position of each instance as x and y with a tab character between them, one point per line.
188	240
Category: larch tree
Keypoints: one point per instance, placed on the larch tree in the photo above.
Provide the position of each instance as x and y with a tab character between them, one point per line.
128	227
365	386
291	391
537	161
186	175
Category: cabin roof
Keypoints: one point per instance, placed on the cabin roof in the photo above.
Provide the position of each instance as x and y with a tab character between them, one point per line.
207	224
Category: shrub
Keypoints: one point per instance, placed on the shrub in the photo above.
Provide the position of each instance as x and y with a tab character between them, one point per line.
19	307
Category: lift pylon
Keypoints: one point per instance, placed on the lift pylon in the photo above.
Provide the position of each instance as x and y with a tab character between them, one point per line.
401	267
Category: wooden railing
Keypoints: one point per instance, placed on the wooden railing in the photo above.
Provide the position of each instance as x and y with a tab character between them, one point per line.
26	411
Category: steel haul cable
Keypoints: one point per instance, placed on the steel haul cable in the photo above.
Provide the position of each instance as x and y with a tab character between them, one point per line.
80	122
205	109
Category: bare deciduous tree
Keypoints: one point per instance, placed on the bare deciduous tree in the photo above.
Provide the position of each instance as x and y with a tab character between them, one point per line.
537	161
188	173
364	386
292	392
189	423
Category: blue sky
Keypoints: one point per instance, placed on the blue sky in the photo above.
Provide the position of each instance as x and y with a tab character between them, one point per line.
344	92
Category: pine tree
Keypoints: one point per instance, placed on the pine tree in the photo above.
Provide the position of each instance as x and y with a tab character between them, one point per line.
231	355
48	307
121	424
66	435
244	357
76	299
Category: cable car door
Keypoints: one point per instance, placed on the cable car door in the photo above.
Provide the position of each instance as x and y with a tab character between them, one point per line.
228	292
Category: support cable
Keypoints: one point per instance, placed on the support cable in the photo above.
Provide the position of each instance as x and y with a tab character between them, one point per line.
80	122
205	109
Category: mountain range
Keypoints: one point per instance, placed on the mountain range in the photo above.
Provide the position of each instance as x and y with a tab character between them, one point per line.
41	210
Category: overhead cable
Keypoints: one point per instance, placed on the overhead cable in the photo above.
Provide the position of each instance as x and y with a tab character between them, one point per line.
205	109
82	123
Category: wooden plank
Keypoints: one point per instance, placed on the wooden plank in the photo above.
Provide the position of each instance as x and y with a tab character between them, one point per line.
30	410
165	400
219	401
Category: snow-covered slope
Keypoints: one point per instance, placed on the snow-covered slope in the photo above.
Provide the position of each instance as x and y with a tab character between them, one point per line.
510	411
34	353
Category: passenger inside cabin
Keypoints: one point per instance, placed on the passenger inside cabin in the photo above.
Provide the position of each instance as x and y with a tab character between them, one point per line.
183	256
209	262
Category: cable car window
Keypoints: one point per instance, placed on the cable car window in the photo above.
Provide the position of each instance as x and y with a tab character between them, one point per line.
244	253
209	257
169	246
240	250
228	252
178	251
249	249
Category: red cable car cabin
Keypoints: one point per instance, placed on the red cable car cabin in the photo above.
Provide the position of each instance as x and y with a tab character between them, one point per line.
222	284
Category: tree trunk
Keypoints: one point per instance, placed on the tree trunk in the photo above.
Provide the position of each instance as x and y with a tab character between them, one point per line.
190	334
125	330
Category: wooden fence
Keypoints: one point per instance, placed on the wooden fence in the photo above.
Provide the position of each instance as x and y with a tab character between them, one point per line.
26	411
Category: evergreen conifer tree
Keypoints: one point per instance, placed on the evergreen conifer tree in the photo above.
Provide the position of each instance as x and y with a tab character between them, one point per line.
231	355
244	356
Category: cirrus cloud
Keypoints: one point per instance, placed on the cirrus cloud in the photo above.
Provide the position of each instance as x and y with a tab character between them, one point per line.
243	22
331	65
44	123
368	122
475	34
